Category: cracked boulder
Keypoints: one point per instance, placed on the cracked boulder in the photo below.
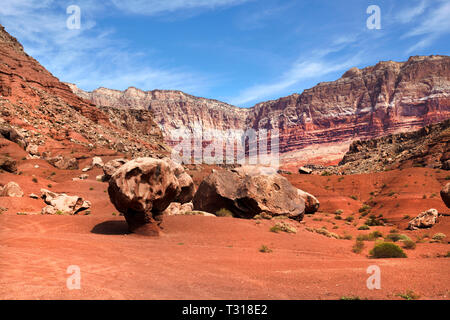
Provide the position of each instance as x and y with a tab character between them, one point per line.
249	191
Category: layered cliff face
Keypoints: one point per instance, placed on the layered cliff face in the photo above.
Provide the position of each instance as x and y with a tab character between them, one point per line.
52	118
386	98
319	124
174	111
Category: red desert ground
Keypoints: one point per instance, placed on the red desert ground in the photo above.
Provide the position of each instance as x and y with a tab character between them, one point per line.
87	184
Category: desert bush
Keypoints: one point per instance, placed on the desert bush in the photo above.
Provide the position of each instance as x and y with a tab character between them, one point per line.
224	213
409	295
339	211
358	246
364	227
375	221
265	249
394	237
438	236
283	227
409	244
387	250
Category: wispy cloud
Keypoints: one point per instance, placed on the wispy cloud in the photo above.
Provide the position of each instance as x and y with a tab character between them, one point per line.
408	14
433	23
153	7
299	71
315	65
91	56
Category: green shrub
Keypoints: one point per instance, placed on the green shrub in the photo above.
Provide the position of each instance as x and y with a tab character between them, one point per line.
358	246
224	213
364	227
394	237
350	298
35	180
354	197
387	250
339	211
350	219
375	221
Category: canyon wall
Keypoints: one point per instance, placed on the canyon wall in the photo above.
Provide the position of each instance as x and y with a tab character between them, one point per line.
318	124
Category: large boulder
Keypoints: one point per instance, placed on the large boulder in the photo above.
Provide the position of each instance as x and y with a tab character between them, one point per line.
249	191
425	219
445	194
142	189
62	203
311	202
111	166
11	189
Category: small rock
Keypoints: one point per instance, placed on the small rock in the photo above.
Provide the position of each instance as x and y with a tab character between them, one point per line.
425	219
11	189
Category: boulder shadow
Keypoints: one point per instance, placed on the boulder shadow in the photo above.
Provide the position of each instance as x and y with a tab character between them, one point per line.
111	228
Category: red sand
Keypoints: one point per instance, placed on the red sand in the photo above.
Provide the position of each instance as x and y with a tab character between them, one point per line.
218	258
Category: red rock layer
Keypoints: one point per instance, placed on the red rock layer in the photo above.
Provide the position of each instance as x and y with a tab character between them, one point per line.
386	98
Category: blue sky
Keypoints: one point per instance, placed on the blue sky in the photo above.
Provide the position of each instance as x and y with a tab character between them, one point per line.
238	51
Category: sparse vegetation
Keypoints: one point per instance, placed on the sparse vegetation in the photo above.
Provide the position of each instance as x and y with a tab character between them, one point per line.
358	246
354	197
375	221
364	227
409	244
35	180
224	213
283	227
438	236
339	211
350	298
387	250
265	249
409	295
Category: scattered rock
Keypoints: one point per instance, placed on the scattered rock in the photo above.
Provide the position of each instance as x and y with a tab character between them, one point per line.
33	150
84	176
62	203
176	208
8	164
304	170
34	196
11	189
97	162
445	194
425	219
63	163
249	191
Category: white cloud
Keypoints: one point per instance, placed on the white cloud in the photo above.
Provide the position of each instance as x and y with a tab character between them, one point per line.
433	24
90	57
153	7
